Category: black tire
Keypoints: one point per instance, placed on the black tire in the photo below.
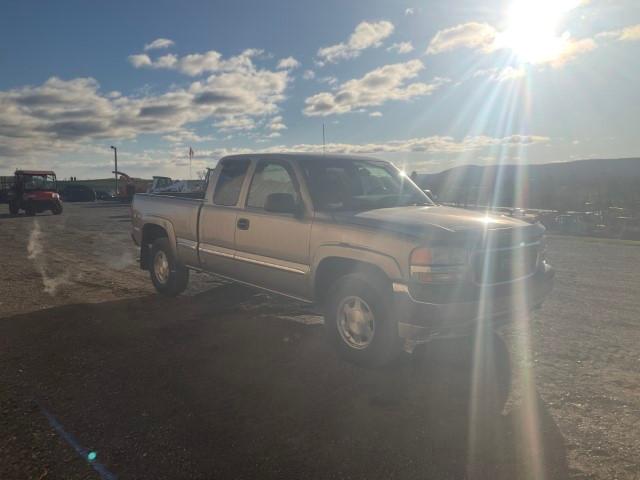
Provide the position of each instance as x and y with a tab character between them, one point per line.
30	209
384	344
172	282
57	208
14	209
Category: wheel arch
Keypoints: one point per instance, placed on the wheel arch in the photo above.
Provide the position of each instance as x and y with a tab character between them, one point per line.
152	229
333	263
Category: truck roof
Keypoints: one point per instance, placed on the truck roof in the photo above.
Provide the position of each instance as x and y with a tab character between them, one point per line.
35	172
319	157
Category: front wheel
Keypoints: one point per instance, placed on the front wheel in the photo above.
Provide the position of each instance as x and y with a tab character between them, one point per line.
358	321
56	209
168	276
30	209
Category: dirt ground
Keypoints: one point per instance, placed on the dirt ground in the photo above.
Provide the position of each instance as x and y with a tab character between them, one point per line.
227	382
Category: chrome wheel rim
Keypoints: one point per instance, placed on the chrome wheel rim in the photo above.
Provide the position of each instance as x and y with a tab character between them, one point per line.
161	267
356	322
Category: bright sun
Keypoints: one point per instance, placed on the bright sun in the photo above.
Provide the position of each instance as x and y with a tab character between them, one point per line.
532	29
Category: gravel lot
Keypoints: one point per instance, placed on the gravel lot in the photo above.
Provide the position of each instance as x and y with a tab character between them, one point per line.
227	382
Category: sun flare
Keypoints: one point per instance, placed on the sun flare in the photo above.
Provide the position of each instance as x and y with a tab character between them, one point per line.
532	29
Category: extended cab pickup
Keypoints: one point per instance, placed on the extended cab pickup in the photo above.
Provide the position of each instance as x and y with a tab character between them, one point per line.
356	236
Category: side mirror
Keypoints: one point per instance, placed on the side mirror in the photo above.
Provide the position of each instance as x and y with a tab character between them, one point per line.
281	203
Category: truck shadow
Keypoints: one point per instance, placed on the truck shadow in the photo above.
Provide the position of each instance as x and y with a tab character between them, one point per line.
218	386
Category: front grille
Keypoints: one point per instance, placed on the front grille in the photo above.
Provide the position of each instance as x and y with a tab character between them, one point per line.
505	264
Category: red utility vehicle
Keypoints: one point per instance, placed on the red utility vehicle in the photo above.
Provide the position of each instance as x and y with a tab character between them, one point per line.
33	191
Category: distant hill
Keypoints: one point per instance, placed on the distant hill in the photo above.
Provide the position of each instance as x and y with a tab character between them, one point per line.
598	183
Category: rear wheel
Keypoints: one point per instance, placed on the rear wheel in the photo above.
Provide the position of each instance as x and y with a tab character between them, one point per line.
168	276
14	209
358	321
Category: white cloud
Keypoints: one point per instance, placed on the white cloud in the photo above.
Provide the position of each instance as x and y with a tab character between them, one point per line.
474	35
401	47
409	11
252	92
309	75
484	38
166	61
629	33
234	123
63	115
329	80
570	50
140	60
288	63
366	35
501	74
375	114
276	123
55	116
186	136
159	43
198	63
433	145
383	84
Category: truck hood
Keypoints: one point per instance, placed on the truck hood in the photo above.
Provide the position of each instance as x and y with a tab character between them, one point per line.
440	223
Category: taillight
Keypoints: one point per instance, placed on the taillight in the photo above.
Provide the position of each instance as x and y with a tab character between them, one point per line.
438	264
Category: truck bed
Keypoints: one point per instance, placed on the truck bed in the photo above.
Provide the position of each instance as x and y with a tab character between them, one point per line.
180	211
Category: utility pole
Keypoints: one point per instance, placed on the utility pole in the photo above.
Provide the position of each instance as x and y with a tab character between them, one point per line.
323	144
190	159
115	154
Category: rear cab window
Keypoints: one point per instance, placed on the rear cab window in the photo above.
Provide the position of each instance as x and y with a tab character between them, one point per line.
229	184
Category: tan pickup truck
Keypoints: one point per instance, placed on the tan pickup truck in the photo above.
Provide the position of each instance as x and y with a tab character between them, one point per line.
354	235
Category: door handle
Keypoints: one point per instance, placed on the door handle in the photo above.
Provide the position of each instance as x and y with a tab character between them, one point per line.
243	224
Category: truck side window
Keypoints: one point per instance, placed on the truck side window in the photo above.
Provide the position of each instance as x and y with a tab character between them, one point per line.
227	189
269	178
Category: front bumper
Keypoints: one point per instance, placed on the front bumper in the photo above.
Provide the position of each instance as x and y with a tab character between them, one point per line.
420	321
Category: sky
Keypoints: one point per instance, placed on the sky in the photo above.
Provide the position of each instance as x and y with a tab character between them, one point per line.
426	84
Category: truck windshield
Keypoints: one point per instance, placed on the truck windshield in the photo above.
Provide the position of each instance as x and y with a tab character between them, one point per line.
39	182
358	185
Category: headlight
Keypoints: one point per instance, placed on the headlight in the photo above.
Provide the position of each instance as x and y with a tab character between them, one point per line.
55	195
438	264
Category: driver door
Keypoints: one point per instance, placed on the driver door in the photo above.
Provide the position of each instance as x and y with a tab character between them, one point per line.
272	249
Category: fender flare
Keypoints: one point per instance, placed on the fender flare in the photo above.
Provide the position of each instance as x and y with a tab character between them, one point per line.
386	263
166	225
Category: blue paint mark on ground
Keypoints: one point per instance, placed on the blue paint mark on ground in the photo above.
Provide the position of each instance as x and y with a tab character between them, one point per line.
84	453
